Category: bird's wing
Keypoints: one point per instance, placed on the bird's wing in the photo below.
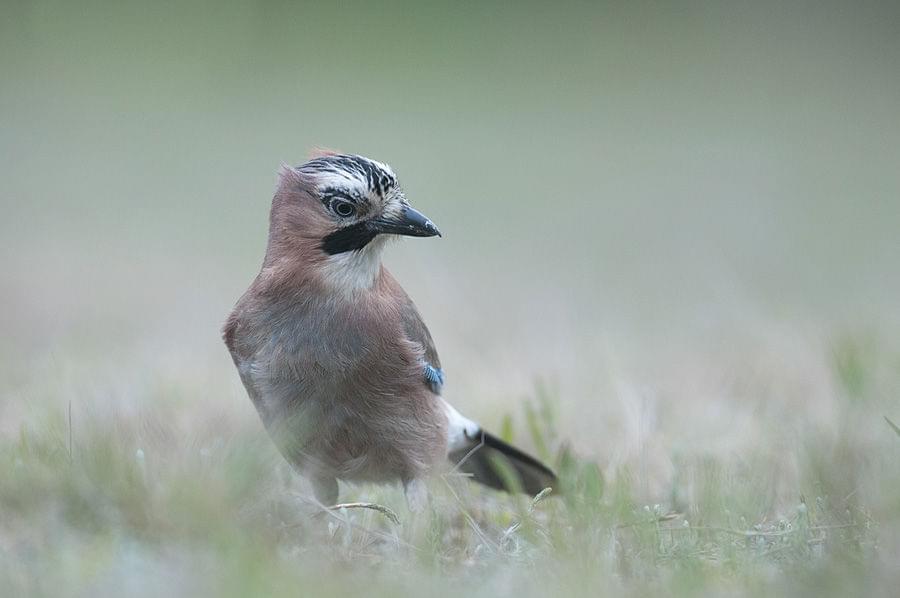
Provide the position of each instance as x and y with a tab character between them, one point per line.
470	448
461	431
417	331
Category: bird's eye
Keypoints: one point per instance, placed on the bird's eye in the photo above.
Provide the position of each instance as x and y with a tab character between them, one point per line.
344	209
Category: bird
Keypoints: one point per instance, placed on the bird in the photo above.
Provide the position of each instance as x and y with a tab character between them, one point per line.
335	356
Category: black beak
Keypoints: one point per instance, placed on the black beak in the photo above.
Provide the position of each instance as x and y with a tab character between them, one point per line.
410	222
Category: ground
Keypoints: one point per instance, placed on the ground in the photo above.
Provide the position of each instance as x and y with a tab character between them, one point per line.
175	495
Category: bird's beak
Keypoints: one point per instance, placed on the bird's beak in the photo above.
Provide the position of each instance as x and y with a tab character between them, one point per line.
409	222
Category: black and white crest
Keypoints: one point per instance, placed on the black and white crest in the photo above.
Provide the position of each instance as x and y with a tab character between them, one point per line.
352	174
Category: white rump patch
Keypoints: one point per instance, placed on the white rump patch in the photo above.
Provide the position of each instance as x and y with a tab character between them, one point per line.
460	429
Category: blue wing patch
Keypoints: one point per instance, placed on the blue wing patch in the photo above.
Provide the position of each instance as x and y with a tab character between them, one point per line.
434	378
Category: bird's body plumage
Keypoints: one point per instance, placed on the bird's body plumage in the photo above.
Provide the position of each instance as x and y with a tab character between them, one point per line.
340	382
334	354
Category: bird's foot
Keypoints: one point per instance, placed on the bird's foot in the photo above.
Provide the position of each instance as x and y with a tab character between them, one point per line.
416	495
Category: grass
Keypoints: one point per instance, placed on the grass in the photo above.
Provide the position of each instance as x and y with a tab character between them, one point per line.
159	499
681	220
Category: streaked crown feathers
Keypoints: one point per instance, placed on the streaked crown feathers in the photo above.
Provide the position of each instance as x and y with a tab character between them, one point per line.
350	173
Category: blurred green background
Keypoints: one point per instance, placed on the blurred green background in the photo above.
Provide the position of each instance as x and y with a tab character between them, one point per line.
681	217
636	158
615	182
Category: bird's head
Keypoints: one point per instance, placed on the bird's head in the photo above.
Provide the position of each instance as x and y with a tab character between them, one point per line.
336	210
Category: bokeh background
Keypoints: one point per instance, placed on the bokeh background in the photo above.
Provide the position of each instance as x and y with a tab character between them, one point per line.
681	222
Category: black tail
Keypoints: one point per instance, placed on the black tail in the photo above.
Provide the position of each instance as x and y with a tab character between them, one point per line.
499	465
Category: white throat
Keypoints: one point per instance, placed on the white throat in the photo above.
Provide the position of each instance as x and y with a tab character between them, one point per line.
353	271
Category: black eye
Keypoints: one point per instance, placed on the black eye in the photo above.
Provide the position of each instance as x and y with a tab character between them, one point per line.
344	209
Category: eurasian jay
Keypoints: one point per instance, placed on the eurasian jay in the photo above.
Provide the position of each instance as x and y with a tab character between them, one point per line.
334	354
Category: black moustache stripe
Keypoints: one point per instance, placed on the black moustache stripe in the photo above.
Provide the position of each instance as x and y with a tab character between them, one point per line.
349	238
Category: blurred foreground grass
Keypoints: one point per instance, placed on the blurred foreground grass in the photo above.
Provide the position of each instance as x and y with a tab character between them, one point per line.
179	499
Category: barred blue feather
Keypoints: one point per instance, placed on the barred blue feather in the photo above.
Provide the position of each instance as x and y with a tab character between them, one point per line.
434	378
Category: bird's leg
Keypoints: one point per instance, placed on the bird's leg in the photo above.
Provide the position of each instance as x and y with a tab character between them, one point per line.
416	494
325	489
